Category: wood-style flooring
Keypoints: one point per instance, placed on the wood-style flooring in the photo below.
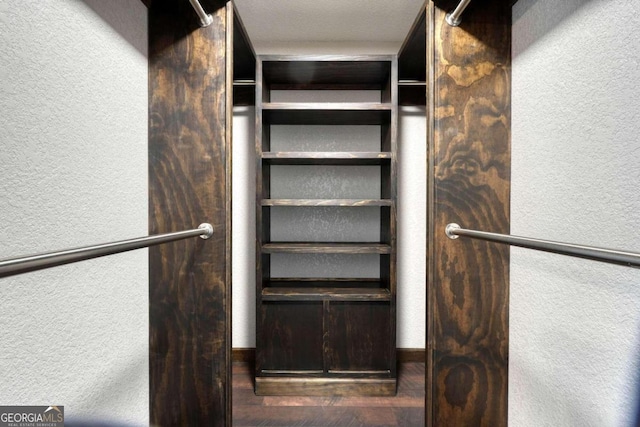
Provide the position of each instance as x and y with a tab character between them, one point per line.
405	409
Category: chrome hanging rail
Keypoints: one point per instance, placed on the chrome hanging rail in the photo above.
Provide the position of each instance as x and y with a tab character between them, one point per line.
205	18
453	18
13	266
612	256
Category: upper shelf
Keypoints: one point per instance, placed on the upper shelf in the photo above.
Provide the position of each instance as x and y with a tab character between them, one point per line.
348	113
358	71
412	58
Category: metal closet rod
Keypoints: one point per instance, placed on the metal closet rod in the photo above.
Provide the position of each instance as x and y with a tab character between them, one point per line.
612	256
13	266
205	18
453	18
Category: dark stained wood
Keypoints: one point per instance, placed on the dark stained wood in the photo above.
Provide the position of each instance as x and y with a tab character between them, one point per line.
353	70
286	325
189	298
412	64
325	293
371	348
359	335
325	113
244	64
335	387
406	355
326	248
326	202
326	158
403	355
412	94
244	94
412	55
244	56
469	183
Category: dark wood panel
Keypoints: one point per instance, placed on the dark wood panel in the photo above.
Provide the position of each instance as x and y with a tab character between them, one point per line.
412	56
334	387
244	94
326	248
294	333
469	183
326	202
326	114
189	299
318	70
244	56
325	293
359	334
412	94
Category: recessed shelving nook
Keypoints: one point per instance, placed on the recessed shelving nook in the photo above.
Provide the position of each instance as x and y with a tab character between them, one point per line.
326	143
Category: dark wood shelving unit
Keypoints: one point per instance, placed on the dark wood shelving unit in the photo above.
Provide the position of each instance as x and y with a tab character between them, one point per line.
328	336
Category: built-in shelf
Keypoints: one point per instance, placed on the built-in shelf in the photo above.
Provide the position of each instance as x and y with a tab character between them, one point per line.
326	158
348	113
326	202
244	65
326	248
324	282
412	64
334	70
325	293
339	332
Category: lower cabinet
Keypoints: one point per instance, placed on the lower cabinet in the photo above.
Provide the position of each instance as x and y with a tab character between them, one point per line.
326	348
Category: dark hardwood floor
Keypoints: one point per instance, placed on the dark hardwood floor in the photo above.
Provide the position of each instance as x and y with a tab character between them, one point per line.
404	409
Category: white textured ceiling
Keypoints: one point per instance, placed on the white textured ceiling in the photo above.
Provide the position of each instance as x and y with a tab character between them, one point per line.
273	24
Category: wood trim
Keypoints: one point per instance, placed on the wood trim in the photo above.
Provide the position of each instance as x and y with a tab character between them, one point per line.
189	156
411	355
469	109
230	27
430	107
266	386
403	355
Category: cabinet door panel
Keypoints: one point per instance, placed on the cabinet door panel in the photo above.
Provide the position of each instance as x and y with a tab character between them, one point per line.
359	336
292	336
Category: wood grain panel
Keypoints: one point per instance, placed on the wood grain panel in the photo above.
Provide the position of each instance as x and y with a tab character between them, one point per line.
189	298
359	335
294	331
469	183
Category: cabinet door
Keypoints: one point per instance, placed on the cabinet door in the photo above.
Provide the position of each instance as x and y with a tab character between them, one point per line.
359	336
291	337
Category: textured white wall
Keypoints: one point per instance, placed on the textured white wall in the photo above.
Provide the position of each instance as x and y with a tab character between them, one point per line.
73	172
411	217
575	324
